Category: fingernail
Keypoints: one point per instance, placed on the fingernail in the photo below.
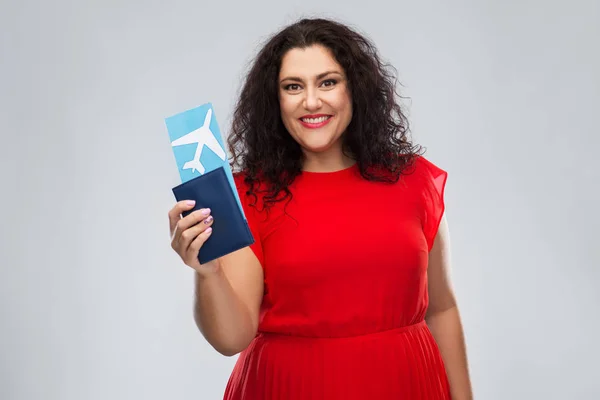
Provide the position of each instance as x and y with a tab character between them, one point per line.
191	202
206	211
208	220
208	230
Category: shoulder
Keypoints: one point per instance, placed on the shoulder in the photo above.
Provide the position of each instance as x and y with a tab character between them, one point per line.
428	167
245	181
239	178
425	171
431	184
244	184
251	189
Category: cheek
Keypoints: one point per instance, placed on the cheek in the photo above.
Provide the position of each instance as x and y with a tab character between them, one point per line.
342	102
287	111
287	107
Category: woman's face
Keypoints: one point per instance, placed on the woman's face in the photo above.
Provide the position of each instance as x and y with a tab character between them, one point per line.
315	102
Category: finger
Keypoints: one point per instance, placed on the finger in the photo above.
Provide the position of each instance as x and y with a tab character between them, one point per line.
190	234
175	212
197	243
192	219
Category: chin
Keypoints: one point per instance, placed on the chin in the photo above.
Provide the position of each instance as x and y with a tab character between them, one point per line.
317	146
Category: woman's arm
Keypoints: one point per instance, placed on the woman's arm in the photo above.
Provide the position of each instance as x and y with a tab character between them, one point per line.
228	290
227	301
443	317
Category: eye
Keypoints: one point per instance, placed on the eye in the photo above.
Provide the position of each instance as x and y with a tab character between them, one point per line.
329	82
292	87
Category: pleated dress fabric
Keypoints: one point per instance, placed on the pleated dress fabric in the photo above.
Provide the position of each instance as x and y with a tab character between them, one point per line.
345	273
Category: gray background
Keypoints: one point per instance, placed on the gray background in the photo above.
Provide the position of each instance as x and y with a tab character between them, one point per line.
95	305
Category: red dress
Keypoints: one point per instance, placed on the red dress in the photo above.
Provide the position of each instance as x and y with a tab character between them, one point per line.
345	291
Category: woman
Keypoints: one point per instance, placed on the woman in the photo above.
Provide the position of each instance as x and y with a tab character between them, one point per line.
346	293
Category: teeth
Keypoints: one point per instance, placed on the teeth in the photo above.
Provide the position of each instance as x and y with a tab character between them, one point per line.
315	120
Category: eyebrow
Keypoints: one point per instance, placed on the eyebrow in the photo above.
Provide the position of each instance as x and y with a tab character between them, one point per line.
320	76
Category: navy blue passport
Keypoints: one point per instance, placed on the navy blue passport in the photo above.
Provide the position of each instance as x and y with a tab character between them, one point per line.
230	227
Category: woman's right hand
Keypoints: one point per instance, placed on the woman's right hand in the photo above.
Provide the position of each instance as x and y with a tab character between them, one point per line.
188	234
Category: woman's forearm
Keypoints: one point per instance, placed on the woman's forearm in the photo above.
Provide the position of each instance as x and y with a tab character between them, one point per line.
447	330
220	315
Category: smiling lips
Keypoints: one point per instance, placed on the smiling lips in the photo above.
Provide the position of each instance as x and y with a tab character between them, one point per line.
315	121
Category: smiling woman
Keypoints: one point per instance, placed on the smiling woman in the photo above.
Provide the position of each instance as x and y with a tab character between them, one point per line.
310	69
315	104
345	293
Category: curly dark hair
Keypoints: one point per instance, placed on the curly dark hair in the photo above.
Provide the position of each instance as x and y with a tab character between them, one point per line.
377	136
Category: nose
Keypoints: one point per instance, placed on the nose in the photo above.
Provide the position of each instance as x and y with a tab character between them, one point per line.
312	101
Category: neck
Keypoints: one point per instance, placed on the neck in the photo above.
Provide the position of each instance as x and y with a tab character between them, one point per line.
328	161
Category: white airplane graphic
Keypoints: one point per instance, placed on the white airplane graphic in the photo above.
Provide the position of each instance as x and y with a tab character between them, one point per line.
202	136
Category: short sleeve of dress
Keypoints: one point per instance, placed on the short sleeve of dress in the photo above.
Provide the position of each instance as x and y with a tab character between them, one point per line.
250	213
432	195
